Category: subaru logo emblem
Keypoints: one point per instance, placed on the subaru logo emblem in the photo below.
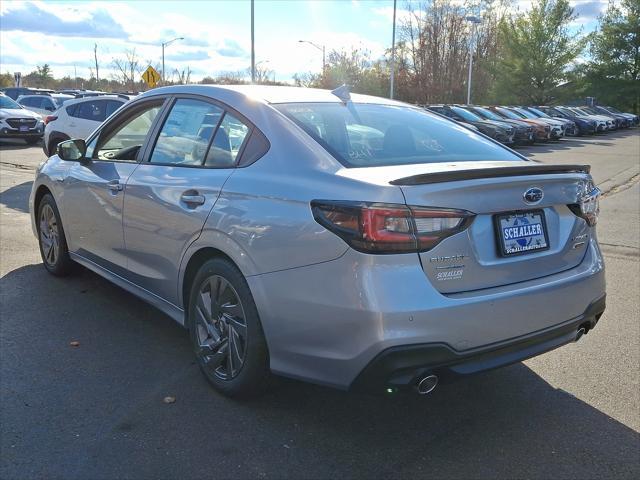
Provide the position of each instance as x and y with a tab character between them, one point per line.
533	195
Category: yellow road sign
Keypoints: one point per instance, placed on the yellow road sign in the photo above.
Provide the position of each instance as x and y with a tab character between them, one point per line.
151	76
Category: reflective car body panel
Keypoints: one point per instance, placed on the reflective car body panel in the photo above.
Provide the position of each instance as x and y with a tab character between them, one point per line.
327	309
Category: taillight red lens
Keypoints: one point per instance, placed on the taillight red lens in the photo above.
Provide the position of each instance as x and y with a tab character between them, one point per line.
49	118
384	228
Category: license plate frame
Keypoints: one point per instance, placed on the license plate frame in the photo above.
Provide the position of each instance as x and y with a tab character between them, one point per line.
499	232
24	128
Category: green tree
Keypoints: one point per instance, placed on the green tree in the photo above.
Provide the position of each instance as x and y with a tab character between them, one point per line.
537	52
613	74
6	80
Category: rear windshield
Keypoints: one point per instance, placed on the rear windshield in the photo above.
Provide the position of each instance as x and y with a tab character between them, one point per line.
466	114
368	135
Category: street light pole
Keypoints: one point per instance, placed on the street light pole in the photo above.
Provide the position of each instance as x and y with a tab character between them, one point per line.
475	21
165	44
253	51
322	48
393	51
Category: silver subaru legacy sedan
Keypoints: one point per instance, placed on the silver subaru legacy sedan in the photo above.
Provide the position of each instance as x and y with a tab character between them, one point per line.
346	240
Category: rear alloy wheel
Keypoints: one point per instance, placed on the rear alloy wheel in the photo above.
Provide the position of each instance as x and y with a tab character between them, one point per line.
51	238
225	331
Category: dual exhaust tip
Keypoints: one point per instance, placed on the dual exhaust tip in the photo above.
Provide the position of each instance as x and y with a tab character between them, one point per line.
428	383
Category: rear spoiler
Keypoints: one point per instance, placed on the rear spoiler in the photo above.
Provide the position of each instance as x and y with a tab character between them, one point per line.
473	174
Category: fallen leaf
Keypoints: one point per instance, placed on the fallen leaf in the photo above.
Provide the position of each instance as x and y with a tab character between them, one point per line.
169	399
75	343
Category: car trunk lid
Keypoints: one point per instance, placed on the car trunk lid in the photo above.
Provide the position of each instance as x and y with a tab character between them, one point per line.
475	258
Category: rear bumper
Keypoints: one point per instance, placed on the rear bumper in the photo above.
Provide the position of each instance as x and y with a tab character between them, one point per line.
402	367
327	322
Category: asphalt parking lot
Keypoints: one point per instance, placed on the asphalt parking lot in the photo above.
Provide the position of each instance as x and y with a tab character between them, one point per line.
97	411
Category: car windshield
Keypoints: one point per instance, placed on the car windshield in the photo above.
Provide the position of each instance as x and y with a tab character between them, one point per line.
614	110
508	113
368	135
487	113
6	102
524	113
539	113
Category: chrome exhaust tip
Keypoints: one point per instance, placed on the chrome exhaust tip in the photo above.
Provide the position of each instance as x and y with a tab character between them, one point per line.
427	384
581	331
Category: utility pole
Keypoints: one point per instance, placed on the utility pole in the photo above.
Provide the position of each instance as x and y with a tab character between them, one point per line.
253	49
95	57
166	44
393	51
475	21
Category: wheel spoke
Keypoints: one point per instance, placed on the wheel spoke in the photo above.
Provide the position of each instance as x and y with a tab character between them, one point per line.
214	354
238	348
49	253
232	309
231	368
204	305
239	327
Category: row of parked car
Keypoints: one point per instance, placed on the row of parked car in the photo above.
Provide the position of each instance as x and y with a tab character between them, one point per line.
531	124
55	116
32	114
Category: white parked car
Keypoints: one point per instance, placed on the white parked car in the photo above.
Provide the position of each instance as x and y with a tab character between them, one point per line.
17	122
44	104
77	118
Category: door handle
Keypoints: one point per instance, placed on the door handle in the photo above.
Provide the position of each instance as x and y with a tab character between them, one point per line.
192	199
114	186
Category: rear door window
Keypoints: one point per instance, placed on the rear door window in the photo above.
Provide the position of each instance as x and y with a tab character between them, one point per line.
227	142
112	106
94	110
186	133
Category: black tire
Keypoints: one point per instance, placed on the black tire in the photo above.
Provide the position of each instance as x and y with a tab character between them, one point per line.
252	377
52	148
32	141
61	264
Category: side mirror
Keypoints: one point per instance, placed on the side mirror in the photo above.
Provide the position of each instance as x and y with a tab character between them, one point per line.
72	150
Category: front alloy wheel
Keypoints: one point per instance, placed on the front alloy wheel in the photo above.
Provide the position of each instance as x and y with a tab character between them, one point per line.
49	235
51	238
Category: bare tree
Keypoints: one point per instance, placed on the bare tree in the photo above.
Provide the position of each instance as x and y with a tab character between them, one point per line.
127	68
434	49
184	77
262	73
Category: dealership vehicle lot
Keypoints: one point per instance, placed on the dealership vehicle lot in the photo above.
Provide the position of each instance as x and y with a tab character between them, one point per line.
96	410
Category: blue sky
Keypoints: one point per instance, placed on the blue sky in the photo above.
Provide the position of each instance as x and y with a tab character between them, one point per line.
216	32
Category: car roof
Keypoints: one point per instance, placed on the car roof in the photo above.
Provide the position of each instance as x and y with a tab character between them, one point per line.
268	94
93	99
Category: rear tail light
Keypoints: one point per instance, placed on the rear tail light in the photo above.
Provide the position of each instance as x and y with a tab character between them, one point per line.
589	204
49	118
389	228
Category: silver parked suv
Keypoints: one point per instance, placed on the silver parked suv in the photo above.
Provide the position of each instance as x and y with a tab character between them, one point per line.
346	240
